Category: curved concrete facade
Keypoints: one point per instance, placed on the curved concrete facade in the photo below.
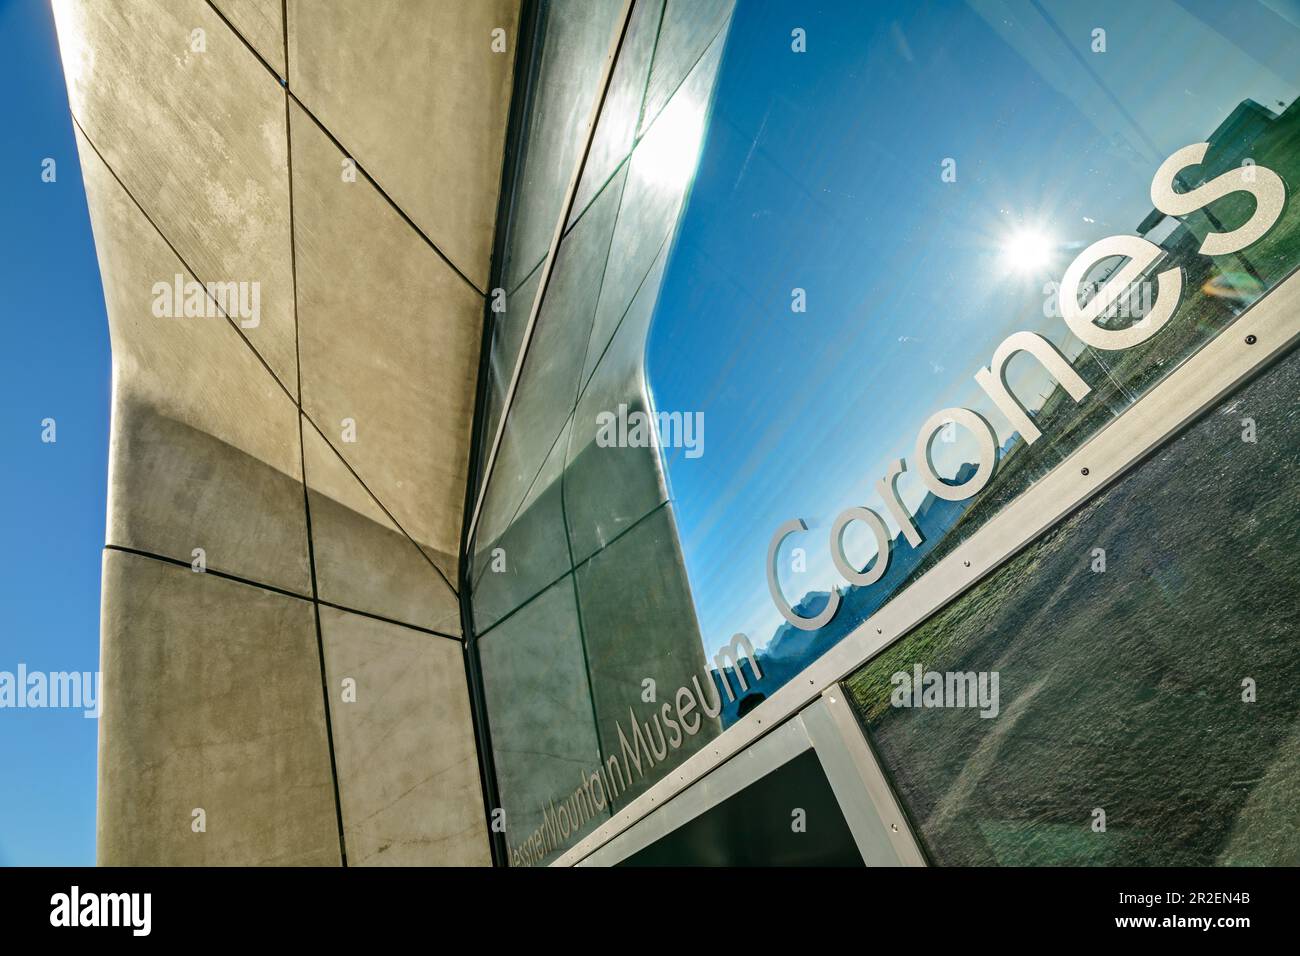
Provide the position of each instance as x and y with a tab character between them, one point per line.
293	207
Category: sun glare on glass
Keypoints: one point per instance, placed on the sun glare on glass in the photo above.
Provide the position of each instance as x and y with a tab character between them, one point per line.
1027	250
668	153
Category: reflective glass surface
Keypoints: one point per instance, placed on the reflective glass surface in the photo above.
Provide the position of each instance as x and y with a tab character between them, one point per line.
800	235
753	827
874	216
1147	703
593	668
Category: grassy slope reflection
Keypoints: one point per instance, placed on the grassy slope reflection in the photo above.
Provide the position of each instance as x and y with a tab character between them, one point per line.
1122	690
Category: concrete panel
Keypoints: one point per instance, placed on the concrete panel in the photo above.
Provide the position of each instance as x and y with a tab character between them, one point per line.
390	339
212	700
199	140
362	560
204	449
543	734
418	96
408	770
261	23
643	631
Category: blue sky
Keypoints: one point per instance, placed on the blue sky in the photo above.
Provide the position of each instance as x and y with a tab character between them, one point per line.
822	171
56	366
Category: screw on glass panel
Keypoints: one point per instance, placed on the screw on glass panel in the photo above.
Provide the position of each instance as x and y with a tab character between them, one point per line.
894	827
1083	471
1251	340
966	563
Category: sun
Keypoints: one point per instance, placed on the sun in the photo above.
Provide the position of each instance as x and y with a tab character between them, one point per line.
1027	250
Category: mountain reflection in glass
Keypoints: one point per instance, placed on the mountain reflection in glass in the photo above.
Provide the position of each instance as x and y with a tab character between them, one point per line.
873	217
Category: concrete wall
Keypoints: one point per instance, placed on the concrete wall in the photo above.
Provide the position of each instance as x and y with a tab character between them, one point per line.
303	697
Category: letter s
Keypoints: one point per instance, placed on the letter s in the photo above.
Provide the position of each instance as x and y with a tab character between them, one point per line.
675	734
1265	185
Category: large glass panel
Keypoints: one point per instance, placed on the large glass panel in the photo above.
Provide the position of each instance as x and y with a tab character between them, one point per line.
549	381
686	32
595	676
571	40
809	229
788	818
616	131
544	739
1136	672
574	37
887	192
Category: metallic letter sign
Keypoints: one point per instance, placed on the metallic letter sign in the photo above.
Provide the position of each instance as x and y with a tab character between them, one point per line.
1141	255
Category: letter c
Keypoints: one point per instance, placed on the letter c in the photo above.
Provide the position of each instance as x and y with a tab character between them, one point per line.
787	612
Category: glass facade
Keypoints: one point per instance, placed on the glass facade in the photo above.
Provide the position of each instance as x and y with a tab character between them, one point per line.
874	217
753	827
1163	690
576	549
838	286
